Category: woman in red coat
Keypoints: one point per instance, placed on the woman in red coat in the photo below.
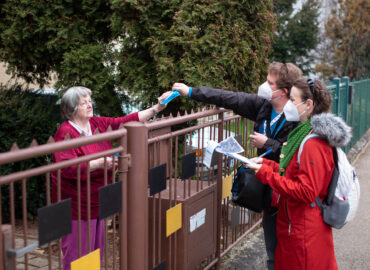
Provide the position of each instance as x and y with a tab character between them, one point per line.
304	241
77	108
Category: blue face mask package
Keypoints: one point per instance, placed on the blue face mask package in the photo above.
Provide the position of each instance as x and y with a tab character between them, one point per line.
173	95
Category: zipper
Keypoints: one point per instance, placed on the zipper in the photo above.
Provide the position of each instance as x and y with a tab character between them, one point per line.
287	213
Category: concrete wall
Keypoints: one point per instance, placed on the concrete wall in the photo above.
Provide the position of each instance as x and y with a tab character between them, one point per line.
5	78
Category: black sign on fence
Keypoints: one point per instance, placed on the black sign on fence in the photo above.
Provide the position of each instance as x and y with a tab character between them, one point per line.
161	266
157	179
188	166
110	200
55	221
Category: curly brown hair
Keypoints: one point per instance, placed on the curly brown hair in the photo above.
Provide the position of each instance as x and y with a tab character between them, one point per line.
286	74
316	91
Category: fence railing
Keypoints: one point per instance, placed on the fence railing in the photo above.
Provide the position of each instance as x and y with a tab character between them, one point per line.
138	238
351	101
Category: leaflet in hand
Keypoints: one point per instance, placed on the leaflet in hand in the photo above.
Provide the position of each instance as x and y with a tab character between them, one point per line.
229	147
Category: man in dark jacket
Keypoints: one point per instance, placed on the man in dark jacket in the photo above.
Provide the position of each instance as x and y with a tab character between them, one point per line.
271	128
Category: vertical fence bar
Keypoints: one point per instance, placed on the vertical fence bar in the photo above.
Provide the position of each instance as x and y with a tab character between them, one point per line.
2	248
219	193
336	98
6	235
24	219
123	165
137	223
367	118
345	81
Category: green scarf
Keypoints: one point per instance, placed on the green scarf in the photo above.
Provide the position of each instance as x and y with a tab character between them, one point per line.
294	140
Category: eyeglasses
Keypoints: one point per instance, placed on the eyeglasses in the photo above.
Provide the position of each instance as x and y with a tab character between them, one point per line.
311	83
86	103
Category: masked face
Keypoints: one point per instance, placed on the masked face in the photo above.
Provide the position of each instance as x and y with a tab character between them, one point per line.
291	112
265	91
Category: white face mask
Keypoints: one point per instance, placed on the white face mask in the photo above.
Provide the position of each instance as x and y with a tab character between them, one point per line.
265	91
291	112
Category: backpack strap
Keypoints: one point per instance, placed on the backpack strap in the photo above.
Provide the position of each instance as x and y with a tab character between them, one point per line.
319	203
308	137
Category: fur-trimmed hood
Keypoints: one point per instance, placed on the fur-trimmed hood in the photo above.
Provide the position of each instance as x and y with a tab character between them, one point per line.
333	128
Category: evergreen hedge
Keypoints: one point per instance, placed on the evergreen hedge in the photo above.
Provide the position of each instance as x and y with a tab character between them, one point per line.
24	116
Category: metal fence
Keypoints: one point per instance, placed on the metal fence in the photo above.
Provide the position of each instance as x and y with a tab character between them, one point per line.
351	101
139	237
136	238
21	249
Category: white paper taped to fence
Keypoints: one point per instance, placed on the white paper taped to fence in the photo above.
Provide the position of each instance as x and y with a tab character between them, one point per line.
197	220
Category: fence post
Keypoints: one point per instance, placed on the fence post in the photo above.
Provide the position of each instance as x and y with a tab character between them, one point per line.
345	80
123	165
137	196
219	191
8	262
336	82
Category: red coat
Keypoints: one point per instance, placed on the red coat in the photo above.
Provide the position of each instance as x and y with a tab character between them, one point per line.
69	175
305	242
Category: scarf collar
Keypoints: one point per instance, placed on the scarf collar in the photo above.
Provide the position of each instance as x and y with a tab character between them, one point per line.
291	145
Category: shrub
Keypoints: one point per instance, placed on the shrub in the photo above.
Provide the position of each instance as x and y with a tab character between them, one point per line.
24	116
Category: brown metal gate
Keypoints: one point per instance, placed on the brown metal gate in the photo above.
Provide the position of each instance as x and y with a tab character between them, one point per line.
136	238
21	249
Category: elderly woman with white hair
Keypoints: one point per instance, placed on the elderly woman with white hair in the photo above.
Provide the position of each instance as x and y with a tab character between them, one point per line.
77	108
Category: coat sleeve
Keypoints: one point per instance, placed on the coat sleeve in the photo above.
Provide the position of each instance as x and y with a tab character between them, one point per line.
308	181
273	164
244	104
115	122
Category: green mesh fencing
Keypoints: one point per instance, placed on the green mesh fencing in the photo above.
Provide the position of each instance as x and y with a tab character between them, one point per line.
351	101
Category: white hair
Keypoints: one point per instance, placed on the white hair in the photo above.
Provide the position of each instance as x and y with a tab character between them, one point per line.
70	100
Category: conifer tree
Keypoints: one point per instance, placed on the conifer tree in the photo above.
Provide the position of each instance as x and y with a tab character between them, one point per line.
297	33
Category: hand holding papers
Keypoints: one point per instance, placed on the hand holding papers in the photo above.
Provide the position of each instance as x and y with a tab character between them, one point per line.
229	147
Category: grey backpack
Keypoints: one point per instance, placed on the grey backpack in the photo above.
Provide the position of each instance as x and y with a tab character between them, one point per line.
341	202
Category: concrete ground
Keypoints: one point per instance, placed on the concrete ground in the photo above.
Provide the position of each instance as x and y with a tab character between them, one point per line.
352	242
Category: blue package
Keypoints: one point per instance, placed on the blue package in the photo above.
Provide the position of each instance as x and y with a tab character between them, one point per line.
116	154
173	95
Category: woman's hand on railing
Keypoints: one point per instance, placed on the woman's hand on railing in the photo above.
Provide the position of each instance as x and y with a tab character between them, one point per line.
99	163
182	88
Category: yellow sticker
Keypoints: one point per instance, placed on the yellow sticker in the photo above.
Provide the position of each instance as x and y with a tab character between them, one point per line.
174	219
90	261
227	183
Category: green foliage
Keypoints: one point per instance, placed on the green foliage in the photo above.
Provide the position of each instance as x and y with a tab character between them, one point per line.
23	117
223	44
297	33
137	47
68	38
348	33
